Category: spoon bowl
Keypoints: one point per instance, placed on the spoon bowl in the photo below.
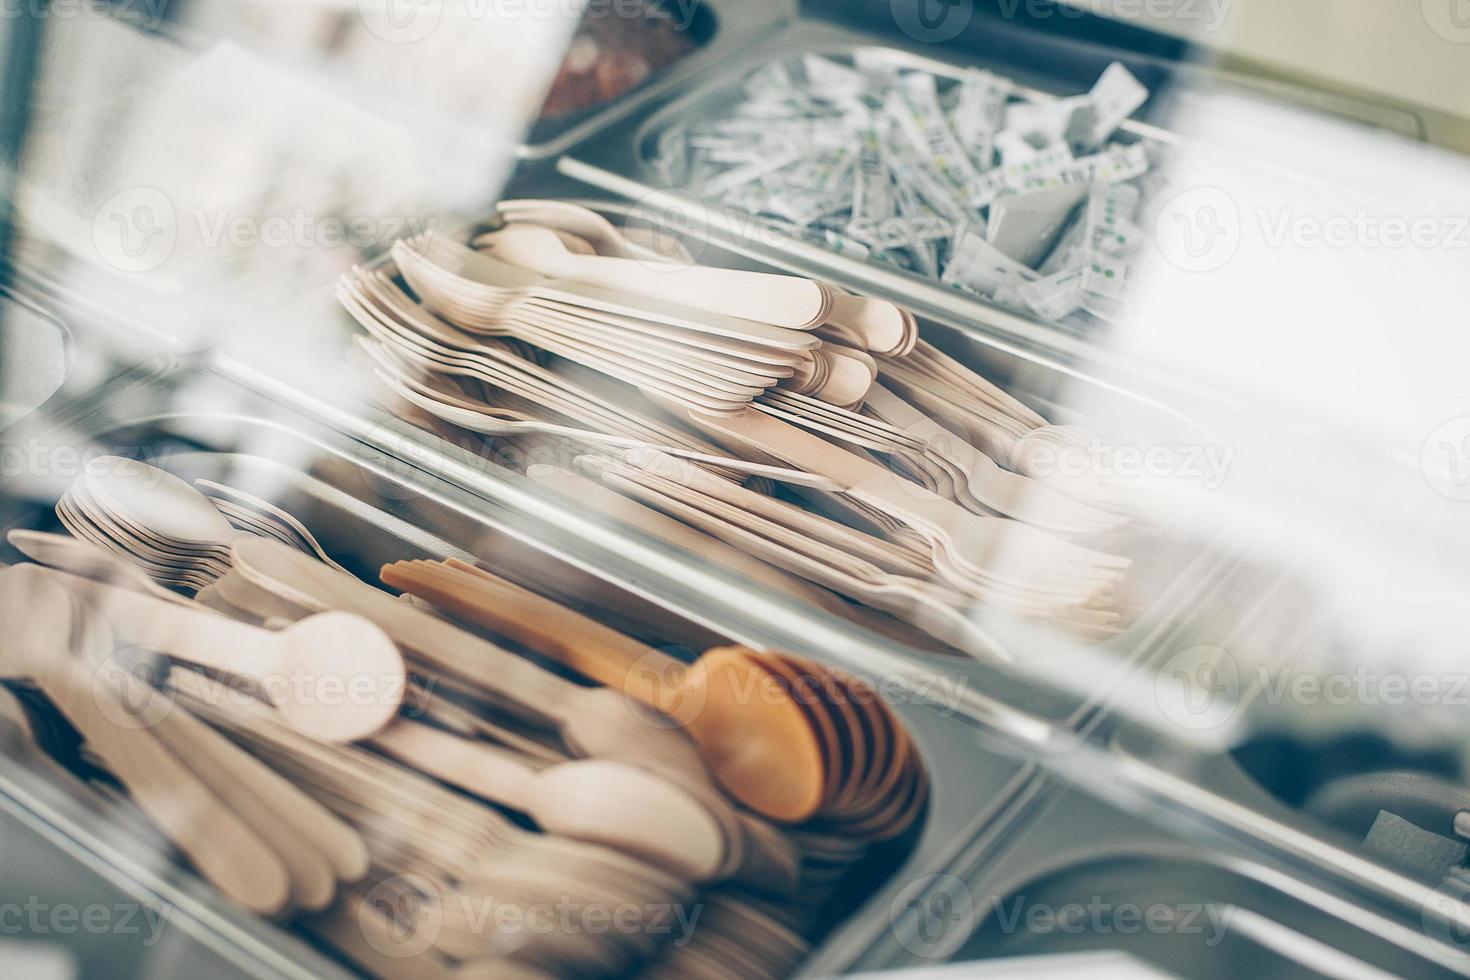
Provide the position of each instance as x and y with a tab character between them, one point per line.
631	809
341	678
761	748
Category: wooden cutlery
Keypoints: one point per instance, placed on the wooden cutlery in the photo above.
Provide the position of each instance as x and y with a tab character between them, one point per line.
300	821
781	755
752	375
786	301
616	804
40	618
333	676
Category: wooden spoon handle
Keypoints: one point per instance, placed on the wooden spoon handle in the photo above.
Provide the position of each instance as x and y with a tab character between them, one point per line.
89	561
225	851
228	773
548	627
198	636
681	535
879	323
201	747
482	769
972	539
434	641
873	483
765	297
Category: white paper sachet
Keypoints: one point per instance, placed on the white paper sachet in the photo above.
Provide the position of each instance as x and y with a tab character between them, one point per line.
1109	226
1116	95
1057	295
749	173
826	171
833	82
805	209
1115	164
976	264
1070	120
925	259
1013	147
875	66
917	225
1109	278
1027	226
1015	178
935	191
978	113
914	108
872	187
1069	251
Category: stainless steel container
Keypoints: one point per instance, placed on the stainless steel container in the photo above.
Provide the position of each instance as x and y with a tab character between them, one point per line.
619	157
1246	731
719	28
368	509
1079	875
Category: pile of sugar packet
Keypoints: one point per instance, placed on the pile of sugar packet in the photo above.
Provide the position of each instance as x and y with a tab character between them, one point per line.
1029	204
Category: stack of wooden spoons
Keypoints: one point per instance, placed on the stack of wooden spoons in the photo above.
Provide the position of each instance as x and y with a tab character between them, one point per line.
629	813
794	740
254	835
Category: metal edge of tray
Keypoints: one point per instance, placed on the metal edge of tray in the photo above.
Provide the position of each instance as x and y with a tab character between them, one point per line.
959	808
738	24
868	946
1093	778
1156	760
70	351
85	341
1151	822
85	836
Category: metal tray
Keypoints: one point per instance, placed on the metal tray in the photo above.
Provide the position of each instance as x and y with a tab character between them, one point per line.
1061	680
1081	875
368	509
721	28
36	356
49	364
1243	754
618	158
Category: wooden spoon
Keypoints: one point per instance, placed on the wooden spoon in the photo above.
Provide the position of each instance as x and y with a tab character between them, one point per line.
882	326
761	748
596	722
610	803
588	225
786	301
334	676
158	503
39	617
89	561
253	792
